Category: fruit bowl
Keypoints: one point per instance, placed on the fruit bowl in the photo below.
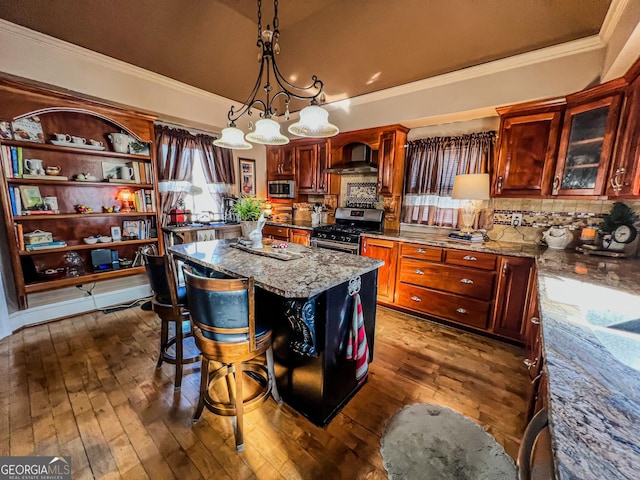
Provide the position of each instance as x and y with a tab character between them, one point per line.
90	240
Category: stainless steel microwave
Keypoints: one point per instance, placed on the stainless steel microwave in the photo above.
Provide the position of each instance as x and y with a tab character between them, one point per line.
281	189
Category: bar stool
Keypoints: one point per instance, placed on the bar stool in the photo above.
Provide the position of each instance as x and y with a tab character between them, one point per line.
226	331
170	304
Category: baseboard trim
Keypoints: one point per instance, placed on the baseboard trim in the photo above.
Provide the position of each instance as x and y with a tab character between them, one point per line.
55	311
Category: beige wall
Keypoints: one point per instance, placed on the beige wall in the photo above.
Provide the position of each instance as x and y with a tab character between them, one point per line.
469	94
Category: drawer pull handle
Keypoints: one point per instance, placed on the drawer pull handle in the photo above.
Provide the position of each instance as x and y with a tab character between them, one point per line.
471	258
462	310
421	250
416	299
535	320
530	363
419	272
468	281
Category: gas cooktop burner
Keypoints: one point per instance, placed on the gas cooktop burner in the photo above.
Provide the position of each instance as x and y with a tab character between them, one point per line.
341	229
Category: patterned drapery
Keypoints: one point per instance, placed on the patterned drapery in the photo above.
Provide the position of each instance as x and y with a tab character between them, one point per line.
174	154
432	164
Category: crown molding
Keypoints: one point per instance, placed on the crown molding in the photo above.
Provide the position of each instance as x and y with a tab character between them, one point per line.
555	52
85	54
611	19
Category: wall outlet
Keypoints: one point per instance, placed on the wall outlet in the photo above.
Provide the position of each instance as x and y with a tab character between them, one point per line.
516	219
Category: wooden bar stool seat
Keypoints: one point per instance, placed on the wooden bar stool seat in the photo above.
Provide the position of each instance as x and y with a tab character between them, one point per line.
170	304
226	332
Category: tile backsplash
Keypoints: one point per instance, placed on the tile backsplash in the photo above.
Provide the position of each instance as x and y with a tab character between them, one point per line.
539	214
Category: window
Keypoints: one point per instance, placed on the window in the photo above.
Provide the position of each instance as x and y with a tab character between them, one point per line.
432	164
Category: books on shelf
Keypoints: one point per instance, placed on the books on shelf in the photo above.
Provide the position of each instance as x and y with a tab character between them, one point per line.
475	237
46	246
136	229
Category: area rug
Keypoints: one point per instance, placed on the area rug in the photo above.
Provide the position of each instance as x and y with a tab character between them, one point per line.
430	442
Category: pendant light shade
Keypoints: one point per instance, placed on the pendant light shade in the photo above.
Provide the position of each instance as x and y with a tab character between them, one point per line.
314	122
232	137
268	133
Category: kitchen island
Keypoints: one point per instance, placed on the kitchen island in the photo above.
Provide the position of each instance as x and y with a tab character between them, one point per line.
308	302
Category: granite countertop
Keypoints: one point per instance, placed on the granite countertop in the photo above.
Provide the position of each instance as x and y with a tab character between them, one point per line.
442	240
317	271
594	396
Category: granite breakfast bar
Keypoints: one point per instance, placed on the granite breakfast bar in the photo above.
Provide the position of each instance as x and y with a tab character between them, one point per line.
308	302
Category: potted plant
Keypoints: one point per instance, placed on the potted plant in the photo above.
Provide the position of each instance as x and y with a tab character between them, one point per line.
249	212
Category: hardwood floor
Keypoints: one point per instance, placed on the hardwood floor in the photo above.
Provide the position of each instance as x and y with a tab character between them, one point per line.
88	387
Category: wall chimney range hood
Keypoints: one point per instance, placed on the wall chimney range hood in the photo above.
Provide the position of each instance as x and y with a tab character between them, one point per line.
358	158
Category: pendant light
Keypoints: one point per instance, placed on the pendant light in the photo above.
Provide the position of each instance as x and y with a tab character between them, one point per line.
314	120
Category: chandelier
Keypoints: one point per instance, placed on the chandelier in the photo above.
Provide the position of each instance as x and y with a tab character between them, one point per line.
314	120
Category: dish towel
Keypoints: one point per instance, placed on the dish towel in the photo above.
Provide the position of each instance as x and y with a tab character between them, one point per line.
357	346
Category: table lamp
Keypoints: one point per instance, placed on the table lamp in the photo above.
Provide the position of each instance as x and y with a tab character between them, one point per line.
469	188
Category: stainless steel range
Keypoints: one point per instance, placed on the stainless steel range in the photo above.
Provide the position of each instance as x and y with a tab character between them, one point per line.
344	235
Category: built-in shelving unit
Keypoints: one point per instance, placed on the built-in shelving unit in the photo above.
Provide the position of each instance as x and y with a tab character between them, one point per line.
121	181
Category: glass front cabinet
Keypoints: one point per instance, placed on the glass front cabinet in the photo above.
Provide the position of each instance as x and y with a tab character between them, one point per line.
586	147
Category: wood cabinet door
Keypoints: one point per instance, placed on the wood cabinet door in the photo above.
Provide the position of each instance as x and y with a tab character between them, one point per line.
512	294
322	161
386	157
298	235
527	154
624	176
307	159
287	161
586	147
533	344
273	162
387	251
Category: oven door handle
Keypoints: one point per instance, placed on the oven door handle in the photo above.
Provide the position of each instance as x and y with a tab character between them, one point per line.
349	248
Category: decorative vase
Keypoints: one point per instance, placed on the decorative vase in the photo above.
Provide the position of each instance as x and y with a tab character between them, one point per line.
253	231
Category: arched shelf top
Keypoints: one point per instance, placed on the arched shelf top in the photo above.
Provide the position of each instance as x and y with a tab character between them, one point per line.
49	110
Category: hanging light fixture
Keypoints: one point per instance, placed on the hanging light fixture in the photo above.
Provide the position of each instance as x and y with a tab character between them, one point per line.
314	120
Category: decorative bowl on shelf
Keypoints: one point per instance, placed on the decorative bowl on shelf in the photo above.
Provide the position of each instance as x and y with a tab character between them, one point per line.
104	239
90	240
52	273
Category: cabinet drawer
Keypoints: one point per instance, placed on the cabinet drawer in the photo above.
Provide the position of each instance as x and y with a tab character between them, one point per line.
467	258
433	254
275	231
447	278
445	305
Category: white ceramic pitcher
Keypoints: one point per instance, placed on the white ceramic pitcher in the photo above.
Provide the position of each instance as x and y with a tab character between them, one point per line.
120	142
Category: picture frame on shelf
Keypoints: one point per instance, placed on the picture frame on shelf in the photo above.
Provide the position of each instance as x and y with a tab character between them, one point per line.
5	130
31	198
116	234
247	170
137	147
50	203
28	129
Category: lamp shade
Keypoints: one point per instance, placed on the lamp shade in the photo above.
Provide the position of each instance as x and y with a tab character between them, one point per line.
232	138
314	122
473	186
268	133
